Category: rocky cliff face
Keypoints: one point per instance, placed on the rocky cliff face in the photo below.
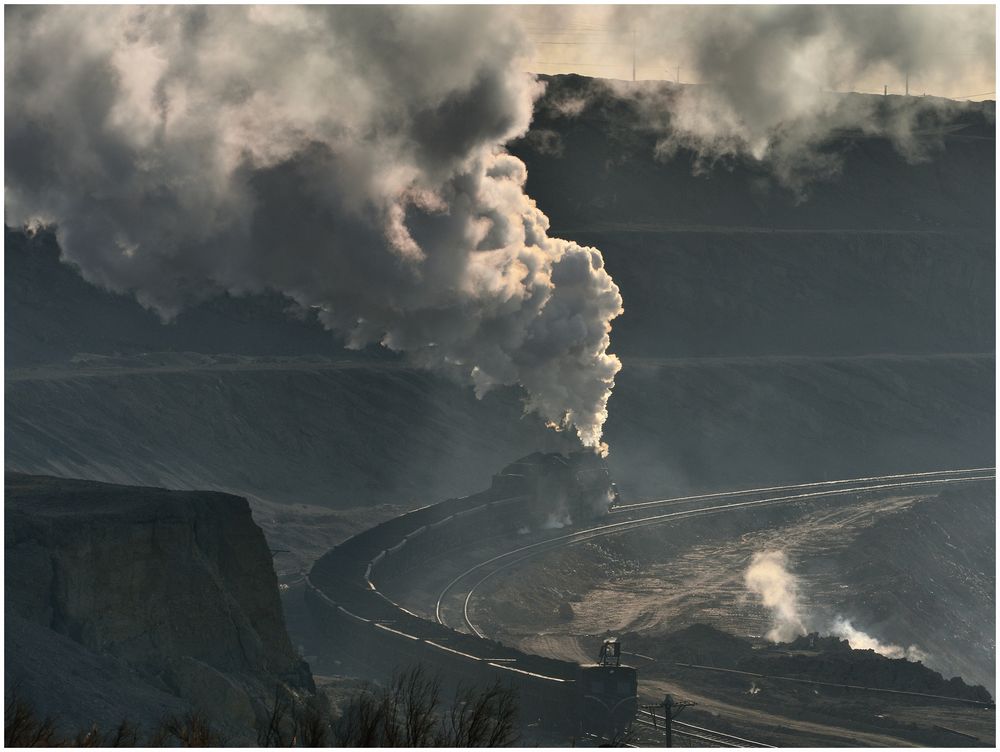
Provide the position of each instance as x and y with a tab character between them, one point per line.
171	594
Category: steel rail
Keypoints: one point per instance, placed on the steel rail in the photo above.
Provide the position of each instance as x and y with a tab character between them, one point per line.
710	740
580	536
751	742
619	508
731	737
539	547
819	683
692	735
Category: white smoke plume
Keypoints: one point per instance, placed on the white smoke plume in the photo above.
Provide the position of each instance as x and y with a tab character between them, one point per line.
768	75
778	589
350	158
557	520
859	640
797	150
768	578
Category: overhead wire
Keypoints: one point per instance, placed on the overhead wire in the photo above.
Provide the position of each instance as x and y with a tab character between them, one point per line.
969	96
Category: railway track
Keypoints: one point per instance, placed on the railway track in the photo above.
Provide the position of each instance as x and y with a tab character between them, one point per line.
699	734
699	505
832	484
350	573
817	683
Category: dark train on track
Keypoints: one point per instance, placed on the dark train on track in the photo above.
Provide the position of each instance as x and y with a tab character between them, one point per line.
565	489
563	699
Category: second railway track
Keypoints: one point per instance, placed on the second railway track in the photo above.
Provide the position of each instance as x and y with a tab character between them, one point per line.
347	598
698	733
701	505
638	516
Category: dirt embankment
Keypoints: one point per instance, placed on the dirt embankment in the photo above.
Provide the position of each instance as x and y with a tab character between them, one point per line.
906	570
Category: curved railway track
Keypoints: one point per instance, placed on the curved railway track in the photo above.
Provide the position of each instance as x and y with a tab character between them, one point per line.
799	486
703	504
347	575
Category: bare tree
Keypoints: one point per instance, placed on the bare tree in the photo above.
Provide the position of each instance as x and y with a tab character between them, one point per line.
189	730
294	723
125	735
23	728
486	718
409	713
312	727
272	734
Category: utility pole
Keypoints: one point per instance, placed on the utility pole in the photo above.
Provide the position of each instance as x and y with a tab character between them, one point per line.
907	83
633	54
671	710
678	79
885	90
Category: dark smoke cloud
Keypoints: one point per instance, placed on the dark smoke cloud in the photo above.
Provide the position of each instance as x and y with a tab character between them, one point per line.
348	157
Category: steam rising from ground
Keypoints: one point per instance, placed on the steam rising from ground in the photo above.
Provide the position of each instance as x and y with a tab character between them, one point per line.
348	157
769	74
768	578
843	629
793	146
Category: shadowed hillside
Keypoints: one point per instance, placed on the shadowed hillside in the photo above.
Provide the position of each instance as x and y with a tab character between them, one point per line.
887	259
110	592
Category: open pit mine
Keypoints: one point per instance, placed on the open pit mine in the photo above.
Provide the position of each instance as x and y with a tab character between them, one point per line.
404	592
358	353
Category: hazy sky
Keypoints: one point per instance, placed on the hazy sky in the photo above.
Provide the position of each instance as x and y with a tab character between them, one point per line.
950	50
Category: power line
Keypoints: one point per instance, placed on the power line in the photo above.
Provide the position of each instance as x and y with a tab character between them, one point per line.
969	96
884	92
633	54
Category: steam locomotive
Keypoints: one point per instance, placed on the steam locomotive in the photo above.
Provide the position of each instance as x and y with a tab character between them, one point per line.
566	490
343	593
